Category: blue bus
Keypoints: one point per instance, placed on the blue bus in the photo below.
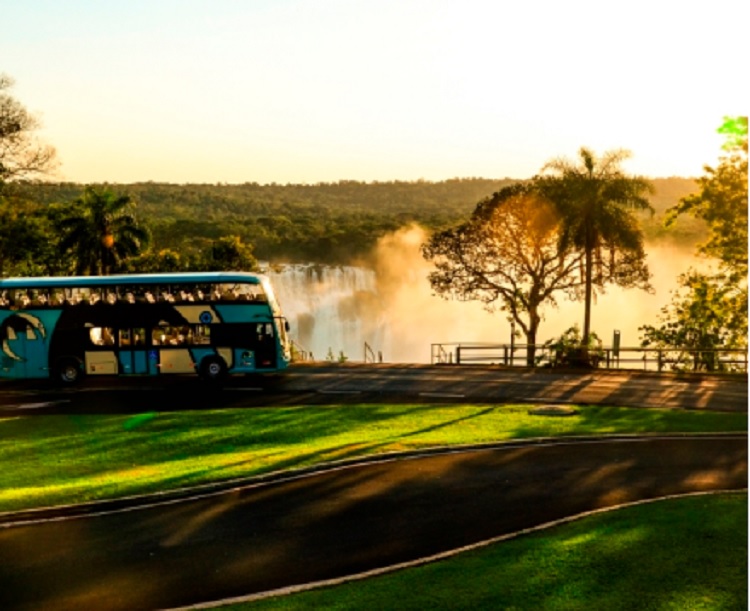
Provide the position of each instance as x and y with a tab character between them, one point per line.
212	324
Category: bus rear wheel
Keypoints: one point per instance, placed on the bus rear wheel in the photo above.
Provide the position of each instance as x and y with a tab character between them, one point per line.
68	371
213	369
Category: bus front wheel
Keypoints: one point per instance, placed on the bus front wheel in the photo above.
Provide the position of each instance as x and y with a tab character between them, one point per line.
68	371
213	369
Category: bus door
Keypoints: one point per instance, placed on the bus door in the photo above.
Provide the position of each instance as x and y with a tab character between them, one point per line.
133	352
265	346
26	350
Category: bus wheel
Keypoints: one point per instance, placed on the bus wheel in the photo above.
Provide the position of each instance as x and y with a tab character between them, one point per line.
68	371
213	369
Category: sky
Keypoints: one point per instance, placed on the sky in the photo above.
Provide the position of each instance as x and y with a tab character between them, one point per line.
308	91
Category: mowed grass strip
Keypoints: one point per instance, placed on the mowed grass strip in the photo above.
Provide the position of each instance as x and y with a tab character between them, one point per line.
60	459
687	553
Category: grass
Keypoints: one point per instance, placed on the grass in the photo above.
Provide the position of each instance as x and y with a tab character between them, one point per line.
60	459
688	553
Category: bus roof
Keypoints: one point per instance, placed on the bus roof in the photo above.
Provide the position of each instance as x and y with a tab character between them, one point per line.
130	279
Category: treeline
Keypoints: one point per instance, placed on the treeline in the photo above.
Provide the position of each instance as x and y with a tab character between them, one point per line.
328	223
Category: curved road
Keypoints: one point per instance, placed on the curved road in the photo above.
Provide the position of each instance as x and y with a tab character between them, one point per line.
339	522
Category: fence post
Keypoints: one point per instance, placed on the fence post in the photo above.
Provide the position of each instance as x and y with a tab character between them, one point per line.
458	355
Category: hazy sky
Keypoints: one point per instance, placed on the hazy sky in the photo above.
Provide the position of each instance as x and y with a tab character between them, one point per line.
324	90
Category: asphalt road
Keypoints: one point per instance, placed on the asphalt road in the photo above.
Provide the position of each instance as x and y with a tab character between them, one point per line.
341	522
360	383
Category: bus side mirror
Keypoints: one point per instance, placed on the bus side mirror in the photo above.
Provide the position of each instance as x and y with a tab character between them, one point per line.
286	326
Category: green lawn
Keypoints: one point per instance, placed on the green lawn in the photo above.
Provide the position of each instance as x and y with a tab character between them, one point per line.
59	459
681	554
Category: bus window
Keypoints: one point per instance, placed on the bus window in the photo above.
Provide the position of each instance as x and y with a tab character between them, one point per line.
102	336
172	336
159	336
132	338
182	293
180	335
139	337
164	293
77	294
37	297
202	335
249	292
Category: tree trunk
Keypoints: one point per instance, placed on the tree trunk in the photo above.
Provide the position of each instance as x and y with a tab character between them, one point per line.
534	321
587	302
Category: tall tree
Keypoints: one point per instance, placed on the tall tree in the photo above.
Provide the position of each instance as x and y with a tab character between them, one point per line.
21	154
595	199
100	231
507	256
711	311
722	201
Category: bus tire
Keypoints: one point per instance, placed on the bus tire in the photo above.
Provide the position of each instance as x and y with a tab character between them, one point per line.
68	371
213	369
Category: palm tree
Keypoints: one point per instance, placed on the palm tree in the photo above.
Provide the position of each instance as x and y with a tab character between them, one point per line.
595	199
100	231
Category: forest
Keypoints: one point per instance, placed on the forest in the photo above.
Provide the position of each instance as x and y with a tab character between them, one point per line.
326	223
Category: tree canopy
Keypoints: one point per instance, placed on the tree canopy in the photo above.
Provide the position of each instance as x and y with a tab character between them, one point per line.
596	200
508	256
722	200
21	154
709	311
101	231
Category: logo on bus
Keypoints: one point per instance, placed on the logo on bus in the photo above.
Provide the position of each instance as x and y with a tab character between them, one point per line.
206	317
19	323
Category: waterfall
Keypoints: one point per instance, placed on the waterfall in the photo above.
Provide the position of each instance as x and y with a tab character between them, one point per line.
331	310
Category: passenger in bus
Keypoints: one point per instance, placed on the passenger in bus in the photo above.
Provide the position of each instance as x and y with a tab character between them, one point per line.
108	338
38	299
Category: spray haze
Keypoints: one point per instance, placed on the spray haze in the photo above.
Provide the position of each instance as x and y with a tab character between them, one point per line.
390	305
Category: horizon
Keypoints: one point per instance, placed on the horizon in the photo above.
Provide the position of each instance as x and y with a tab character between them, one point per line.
322	91
342	181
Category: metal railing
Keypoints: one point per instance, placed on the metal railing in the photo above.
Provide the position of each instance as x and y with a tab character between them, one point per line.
299	353
370	355
648	359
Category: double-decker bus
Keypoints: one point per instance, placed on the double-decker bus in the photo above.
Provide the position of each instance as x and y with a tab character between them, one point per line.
212	324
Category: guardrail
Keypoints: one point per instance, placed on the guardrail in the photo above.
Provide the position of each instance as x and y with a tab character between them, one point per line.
649	359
